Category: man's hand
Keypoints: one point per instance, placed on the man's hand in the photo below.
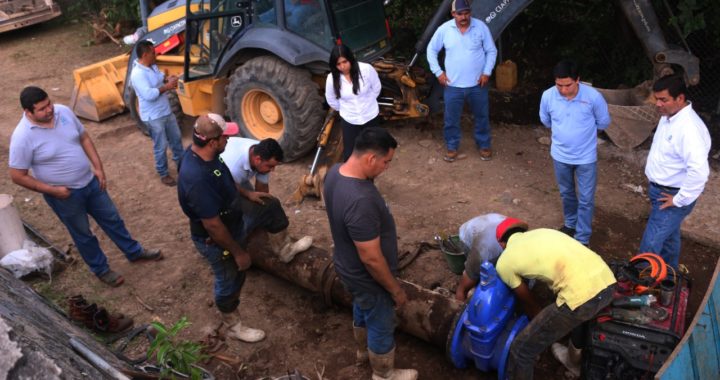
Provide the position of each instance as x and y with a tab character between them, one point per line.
443	79
667	201
100	174
242	259
399	297
60	192
483	80
257	196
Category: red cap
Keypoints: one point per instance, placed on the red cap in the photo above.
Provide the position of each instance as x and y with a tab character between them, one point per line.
508	224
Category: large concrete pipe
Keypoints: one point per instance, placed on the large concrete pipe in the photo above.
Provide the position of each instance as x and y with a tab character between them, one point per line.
427	315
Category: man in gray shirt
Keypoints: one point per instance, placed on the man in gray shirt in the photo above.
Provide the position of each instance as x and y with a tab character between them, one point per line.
66	169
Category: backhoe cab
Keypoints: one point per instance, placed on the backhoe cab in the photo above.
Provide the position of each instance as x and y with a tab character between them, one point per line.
262	63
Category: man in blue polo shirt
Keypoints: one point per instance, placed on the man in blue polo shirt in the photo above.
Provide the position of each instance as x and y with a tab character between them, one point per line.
575	112
206	192
469	60
151	88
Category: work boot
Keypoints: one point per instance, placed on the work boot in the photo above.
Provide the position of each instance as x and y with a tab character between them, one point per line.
361	355
149	255
383	367
567	231
76	304
236	330
569	357
285	248
106	323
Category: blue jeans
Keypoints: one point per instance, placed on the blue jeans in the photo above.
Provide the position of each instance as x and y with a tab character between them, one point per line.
455	99
376	313
228	278
73	213
662	233
578	207
165	130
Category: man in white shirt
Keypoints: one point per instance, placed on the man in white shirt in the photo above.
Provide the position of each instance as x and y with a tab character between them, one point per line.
677	168
250	159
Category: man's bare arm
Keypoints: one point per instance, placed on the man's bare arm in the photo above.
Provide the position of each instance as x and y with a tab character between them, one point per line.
371	256
94	157
221	236
23	178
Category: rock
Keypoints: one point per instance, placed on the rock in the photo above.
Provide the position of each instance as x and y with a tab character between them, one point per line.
425	143
544	140
516	201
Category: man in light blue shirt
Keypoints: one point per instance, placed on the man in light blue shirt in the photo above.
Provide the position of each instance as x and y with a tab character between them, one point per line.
151	89
469	60
574	112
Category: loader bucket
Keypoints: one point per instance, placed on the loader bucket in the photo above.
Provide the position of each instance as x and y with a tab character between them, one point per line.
633	115
98	90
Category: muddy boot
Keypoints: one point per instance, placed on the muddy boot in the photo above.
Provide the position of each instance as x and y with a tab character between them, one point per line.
383	367
361	355
76	304
569	356
283	246
236	330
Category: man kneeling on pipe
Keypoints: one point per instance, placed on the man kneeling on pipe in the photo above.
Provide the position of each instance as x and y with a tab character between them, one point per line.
478	234
250	159
583	282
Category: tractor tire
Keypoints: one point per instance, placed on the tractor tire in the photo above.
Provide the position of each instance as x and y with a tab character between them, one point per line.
131	102
269	98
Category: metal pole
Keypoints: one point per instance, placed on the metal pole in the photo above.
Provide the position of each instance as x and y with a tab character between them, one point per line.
144	12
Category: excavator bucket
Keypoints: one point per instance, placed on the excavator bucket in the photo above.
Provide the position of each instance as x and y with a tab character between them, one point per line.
98	91
633	115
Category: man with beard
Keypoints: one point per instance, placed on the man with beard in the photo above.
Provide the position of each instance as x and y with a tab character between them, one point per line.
251	162
206	192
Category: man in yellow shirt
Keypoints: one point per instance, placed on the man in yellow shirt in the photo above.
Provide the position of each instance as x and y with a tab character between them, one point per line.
582	281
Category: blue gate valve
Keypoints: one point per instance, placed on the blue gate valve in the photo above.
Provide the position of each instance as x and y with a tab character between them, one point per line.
487	325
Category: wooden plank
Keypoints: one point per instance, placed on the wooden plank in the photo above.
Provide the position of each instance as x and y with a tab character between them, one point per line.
697	356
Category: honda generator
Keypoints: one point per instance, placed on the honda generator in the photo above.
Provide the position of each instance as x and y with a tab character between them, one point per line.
632	338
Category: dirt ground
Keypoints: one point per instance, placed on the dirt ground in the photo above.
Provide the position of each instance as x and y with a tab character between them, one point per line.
426	195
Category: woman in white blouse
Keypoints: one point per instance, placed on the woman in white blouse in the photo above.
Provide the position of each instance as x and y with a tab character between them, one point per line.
352	89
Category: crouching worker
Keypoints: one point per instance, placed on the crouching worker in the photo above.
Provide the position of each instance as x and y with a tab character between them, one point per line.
365	255
582	281
206	191
252	161
478	234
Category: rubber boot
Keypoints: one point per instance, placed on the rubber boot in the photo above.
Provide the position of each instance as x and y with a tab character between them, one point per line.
361	355
569	356
383	367
237	330
285	248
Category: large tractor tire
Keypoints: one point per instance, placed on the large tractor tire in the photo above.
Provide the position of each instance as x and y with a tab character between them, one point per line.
269	98
131	102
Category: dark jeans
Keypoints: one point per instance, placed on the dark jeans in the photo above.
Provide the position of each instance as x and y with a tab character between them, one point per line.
662	233
73	213
546	328
228	278
351	132
270	216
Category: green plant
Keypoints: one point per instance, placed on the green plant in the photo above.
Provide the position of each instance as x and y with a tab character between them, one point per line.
171	353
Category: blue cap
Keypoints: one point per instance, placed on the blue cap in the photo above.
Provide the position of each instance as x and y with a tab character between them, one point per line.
460	5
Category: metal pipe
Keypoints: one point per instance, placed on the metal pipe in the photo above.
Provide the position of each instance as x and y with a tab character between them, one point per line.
428	315
96	360
144	12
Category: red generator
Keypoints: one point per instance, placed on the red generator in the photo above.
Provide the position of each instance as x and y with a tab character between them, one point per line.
632	338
